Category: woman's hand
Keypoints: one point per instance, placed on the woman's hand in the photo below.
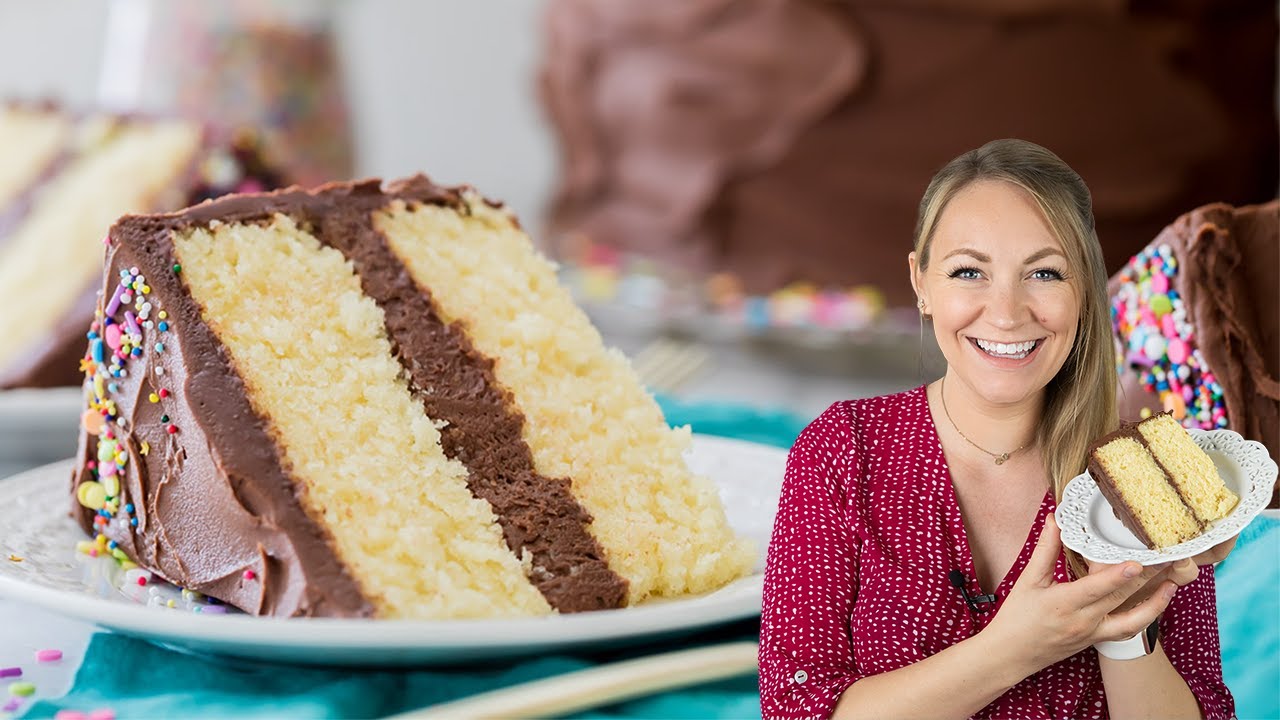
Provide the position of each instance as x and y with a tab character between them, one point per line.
1180	573
1217	553
1044	621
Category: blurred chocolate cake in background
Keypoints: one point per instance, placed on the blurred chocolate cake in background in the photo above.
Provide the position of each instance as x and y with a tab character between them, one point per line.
1197	323
1196	317
786	141
66	177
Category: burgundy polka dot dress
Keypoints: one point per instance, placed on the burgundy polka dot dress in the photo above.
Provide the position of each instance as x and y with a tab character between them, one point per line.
856	583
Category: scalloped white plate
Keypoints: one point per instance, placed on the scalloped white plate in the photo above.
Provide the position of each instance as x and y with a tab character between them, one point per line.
1091	528
37	527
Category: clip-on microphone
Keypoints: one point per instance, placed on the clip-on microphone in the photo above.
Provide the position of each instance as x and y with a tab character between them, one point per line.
976	603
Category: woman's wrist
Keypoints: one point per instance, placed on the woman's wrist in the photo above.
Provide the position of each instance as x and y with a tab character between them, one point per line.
1011	659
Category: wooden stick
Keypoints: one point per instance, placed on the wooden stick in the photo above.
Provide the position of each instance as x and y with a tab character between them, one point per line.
604	685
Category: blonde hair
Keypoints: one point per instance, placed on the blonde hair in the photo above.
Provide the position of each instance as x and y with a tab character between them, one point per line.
1080	401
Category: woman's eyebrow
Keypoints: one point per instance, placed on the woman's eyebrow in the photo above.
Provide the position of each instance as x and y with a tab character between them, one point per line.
980	257
1041	254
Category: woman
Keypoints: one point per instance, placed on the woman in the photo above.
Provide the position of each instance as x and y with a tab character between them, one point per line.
915	568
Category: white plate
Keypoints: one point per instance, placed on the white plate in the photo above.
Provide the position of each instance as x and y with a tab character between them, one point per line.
1091	528
37	527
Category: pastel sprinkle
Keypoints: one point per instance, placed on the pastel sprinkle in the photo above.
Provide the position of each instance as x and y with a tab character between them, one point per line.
70	715
48	655
131	320
1160	305
91	494
164	326
114	304
163	314
113	334
10	672
92	422
12	704
102	714
22	689
159	347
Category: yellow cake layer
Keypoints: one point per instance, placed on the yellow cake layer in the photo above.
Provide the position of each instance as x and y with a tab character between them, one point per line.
1142	486
1191	471
57	250
314	352
29	141
588	418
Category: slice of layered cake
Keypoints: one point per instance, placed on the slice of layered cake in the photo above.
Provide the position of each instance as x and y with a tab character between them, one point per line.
378	401
1160	484
64	179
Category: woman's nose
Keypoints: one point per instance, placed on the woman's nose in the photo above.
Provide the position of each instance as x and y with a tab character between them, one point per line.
1008	306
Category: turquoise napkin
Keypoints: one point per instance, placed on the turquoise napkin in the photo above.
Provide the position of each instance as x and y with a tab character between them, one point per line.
1249	619
139	680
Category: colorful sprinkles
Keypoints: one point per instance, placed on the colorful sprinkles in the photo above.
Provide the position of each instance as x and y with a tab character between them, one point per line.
116	337
1160	343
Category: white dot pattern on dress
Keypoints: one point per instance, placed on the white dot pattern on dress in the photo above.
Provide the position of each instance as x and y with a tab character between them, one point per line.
856	581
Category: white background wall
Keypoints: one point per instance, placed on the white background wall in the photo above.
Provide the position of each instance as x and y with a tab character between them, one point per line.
438	86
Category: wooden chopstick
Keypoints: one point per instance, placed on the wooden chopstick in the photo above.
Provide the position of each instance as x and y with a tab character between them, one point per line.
604	685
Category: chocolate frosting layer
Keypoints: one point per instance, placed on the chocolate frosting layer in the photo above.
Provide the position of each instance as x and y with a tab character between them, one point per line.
791	140
1228	259
228	462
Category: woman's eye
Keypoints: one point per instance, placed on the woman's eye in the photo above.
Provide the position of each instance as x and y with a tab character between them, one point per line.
965	273
1046	274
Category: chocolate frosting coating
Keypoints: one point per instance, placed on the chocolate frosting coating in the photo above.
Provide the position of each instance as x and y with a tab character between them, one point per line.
228	465
791	140
1228	259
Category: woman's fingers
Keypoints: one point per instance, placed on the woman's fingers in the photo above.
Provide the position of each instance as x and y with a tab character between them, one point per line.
1217	553
1044	557
1121	625
1184	572
1107	588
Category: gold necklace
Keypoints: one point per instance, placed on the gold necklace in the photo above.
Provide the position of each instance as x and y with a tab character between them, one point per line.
942	392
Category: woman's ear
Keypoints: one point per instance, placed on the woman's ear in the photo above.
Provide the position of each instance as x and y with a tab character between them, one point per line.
921	301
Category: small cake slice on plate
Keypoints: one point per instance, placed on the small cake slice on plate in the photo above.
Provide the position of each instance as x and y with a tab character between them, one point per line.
1160	484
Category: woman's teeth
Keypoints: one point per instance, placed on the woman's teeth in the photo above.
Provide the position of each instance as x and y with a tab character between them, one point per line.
1016	351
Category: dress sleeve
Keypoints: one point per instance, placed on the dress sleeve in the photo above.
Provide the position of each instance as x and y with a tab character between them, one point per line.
1189	635
811	575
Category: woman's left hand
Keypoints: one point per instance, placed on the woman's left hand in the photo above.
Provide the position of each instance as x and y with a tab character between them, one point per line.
1217	553
1180	573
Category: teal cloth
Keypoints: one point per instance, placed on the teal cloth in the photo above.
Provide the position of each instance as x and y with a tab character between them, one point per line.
1248	584
123	674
